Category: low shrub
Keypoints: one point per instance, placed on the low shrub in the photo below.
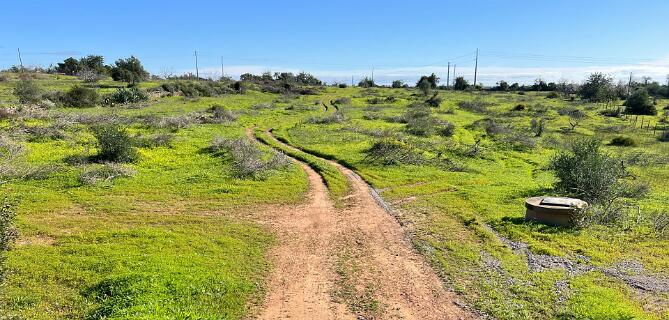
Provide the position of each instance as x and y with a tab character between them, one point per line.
247	160
552	95
475	106
391	151
640	103
201	88
155	140
124	96
664	136
27	91
623	141
342	101
519	107
586	172
114	144
80	97
335	117
220	115
103	173
434	101
8	233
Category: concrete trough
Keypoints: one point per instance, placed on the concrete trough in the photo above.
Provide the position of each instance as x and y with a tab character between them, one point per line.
553	211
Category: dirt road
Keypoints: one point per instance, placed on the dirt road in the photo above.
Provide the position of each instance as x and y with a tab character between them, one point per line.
351	262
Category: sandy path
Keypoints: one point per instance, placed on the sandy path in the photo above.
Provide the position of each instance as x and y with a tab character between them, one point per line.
312	237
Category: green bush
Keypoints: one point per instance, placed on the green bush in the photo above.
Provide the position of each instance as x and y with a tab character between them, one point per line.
623	141
28	91
639	103
586	172
123	96
80	97
114	144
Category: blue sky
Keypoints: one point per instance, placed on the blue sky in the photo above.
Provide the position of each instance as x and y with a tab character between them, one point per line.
518	40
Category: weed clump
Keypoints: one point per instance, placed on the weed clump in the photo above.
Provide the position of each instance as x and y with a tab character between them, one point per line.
114	144
623	141
249	162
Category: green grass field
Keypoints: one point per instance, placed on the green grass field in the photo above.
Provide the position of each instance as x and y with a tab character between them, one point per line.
178	240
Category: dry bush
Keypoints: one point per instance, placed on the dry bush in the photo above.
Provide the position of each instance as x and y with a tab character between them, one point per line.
103	173
220	115
335	117
391	151
475	106
248	162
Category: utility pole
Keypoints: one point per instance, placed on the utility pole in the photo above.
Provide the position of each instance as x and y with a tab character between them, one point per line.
20	60
476	66
454	77
448	75
351	81
372	76
222	70
197	70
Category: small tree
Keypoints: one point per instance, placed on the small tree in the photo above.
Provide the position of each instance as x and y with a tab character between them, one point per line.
114	144
502	86
366	83
460	84
129	70
69	66
427	83
639	103
598	88
28	91
398	84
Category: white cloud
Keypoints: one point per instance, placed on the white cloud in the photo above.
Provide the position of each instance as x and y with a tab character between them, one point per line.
489	75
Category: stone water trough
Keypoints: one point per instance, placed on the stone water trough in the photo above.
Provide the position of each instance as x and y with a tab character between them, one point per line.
554	211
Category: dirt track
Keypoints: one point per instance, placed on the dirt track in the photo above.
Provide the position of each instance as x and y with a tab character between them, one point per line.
316	240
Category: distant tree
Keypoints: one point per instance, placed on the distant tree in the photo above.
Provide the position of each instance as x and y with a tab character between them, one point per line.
308	79
502	86
69	66
639	103
366	83
514	87
598	88
129	70
460	84
93	63
398	84
427	83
